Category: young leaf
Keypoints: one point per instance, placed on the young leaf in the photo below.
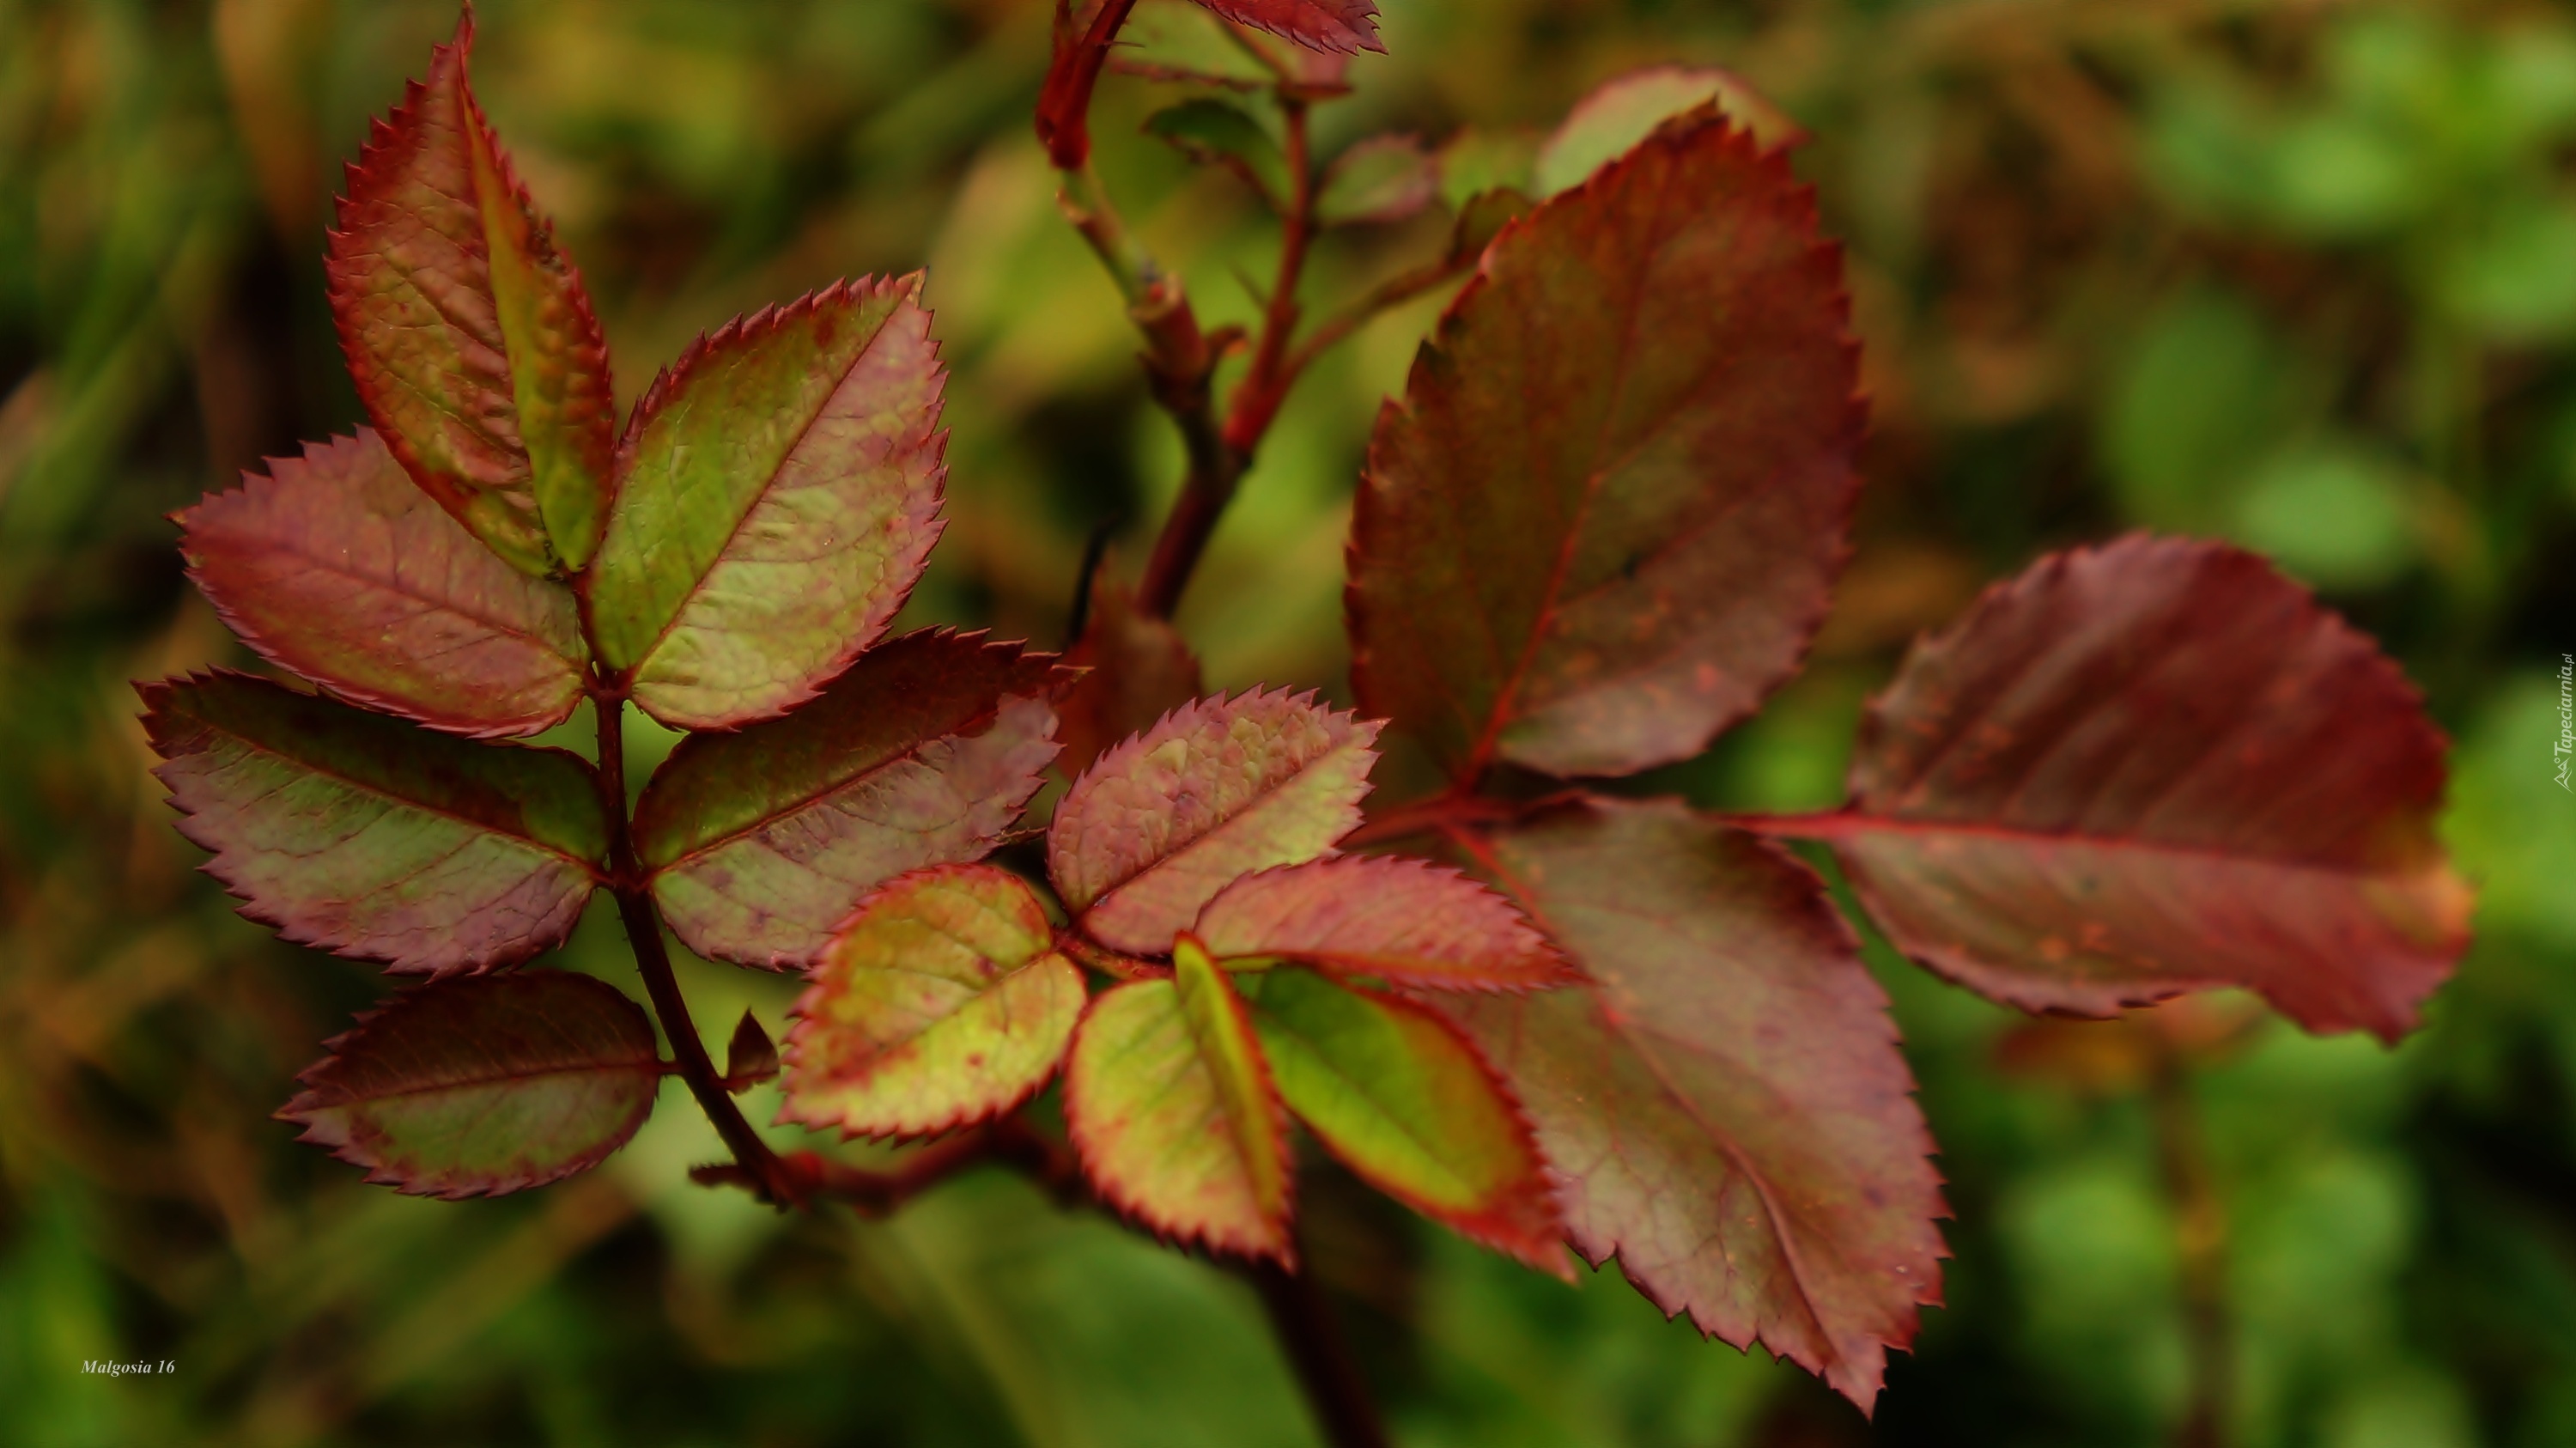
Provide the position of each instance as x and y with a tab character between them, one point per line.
468	334
1603	522
2154	767
777	495
1476	161
1217	790
365	836
1140	669
750	1057
942	1003
1406	922
1379	179
475	1087
336	567
1624	111
1171	1107
760	842
1392	1090
1214	132
1343	26
1726	1109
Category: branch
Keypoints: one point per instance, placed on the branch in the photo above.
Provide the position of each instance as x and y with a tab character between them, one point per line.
1312	1337
1010	1142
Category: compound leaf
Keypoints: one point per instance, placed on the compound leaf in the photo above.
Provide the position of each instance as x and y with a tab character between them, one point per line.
1171	1108
760	842
337	567
485	1085
1726	1107
1394	1091
1406	922
1216	790
942	1003
468	333
369	837
1342	26
1625	110
777	496
1602	524
2154	767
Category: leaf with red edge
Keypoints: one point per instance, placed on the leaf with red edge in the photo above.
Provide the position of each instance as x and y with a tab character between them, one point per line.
336	567
1170	1105
369	837
1342	26
760	842
942	1003
1141	669
1392	1089
1625	110
1603	522
777	497
1216	790
468	333
486	1085
2154	767
1405	922
1726	1108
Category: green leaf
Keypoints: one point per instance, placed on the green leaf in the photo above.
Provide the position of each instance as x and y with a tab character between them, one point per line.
468	333
1603	523
1215	791
1406	922
1214	132
1394	1091
1476	161
760	842
942	1003
1379	179
485	1085
1622	112
777	496
370	837
336	567
1171	1108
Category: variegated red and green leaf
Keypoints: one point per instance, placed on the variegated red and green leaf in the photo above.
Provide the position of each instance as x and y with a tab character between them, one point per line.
1726	1107
777	496
1219	789
760	842
1602	524
371	837
337	567
1405	922
942	1003
1173	1113
483	1085
2154	767
1395	1092
1341	26
467	331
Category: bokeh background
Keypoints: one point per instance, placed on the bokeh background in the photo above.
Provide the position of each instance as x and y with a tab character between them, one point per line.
2298	274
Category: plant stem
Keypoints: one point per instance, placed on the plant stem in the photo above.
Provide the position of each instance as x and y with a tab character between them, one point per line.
2200	1240
1312	1337
767	1176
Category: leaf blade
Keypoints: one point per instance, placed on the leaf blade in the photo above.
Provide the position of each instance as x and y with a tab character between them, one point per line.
1406	922
1340	26
1624	110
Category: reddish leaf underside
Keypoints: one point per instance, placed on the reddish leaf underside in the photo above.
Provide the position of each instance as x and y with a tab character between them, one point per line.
468	334
777	496
337	567
1394	1091
939	1005
1215	791
372	838
761	842
1405	922
1171	1107
484	1085
2154	767
1343	26
1726	1108
1141	669
1603	522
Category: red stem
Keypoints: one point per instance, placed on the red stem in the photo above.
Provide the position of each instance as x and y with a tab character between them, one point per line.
1313	1340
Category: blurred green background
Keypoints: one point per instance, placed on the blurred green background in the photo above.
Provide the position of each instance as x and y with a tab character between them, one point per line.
2300	274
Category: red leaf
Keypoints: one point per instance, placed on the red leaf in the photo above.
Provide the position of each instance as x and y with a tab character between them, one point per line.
760	842
1217	790
336	567
1603	522
1406	922
468	333
1336	25
481	1086
369	837
1141	669
2155	767
1727	1109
